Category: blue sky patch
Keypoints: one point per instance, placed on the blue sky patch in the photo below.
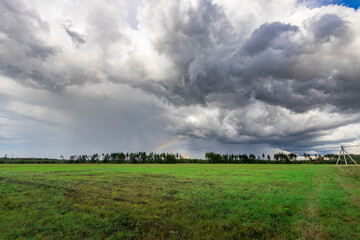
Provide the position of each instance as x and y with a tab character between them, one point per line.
349	3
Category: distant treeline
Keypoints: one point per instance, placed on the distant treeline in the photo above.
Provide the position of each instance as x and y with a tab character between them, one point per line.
210	157
277	158
139	157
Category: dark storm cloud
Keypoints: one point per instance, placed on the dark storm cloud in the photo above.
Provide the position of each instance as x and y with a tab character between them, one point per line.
299	68
26	55
18	22
188	42
214	60
262	37
23	52
20	25
77	38
329	25
280	77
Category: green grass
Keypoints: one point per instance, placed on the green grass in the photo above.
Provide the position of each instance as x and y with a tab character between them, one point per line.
181	201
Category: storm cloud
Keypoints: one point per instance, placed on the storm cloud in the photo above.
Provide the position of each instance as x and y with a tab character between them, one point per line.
275	74
278	81
75	37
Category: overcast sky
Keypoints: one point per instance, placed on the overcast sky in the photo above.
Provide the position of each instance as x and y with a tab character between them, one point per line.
187	76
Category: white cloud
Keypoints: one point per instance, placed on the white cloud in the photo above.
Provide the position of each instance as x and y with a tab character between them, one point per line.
276	73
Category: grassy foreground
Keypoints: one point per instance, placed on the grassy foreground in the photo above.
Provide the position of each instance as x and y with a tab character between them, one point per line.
180	201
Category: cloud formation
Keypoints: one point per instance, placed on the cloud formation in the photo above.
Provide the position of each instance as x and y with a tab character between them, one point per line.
75	37
289	75
280	73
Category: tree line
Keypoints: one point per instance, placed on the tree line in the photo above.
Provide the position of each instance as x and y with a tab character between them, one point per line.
120	157
210	157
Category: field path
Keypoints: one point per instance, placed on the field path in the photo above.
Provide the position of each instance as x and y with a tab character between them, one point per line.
332	208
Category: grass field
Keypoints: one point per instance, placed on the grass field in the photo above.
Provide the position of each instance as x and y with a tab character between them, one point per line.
181	201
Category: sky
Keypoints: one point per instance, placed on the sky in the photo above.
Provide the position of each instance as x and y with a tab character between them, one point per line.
187	76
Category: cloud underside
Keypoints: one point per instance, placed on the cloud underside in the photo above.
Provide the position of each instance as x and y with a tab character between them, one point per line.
266	72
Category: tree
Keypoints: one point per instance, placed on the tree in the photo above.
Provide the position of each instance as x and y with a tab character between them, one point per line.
212	157
244	158
276	157
133	158
142	156
292	156
106	158
319	158
94	158
169	158
114	157
225	158
252	158
281	157
121	157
